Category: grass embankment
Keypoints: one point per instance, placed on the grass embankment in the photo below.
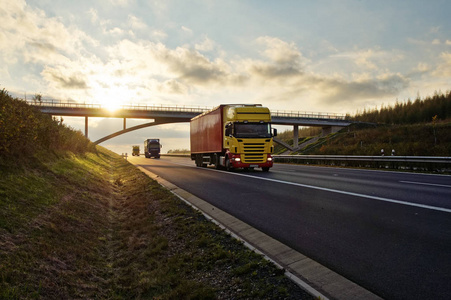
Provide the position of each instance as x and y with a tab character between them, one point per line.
93	226
407	140
419	128
431	139
78	221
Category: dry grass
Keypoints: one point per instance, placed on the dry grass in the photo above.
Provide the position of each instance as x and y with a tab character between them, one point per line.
110	232
80	222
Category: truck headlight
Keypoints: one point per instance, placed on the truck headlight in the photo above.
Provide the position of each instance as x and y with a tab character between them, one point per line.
269	158
236	159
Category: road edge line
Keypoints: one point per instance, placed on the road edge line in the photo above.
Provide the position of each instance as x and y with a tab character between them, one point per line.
311	276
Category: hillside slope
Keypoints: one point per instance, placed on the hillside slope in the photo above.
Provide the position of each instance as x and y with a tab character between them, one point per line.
406	140
418	128
78	221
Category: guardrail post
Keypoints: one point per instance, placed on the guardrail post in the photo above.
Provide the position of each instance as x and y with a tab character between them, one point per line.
86	126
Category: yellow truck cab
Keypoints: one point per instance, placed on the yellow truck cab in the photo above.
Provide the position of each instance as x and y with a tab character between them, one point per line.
135	150
233	136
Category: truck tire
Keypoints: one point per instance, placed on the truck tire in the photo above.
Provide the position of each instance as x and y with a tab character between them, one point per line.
217	164
198	161
228	167
265	169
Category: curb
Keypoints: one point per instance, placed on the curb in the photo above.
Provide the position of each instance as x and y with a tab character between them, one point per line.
313	277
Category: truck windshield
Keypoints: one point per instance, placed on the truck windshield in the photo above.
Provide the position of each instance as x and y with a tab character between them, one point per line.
252	130
153	145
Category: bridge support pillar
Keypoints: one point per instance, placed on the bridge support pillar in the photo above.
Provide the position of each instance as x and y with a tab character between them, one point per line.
331	129
295	136
125	124
86	126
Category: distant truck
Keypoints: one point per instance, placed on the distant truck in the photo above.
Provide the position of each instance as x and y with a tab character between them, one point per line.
135	150
233	136
152	148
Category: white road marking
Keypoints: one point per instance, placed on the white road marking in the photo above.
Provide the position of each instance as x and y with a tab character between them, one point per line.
447	210
424	183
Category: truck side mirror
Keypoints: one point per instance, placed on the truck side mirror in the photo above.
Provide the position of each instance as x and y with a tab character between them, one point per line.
228	131
275	132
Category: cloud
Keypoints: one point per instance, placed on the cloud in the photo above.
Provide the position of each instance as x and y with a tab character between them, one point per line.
172	86
64	80
436	42
443	70
36	38
122	3
279	51
142	69
281	60
207	45
187	30
136	23
93	14
346	92
369	59
190	66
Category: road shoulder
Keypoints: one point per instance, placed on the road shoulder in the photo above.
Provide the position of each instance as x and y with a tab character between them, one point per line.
318	280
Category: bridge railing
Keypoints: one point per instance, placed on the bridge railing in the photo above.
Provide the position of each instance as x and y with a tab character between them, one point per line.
179	108
306	114
143	107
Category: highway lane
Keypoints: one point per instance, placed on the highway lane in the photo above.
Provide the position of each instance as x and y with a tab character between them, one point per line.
341	218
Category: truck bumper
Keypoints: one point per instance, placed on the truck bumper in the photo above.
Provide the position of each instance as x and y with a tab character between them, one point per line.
237	163
260	165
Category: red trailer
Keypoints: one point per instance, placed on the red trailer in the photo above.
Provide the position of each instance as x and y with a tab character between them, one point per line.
233	136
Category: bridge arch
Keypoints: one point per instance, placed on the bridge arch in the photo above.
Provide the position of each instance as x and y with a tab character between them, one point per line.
177	114
154	123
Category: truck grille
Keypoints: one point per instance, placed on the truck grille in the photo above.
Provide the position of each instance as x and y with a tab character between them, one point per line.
253	153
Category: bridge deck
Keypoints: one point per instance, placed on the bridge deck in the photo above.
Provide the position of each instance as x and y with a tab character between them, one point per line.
141	111
162	114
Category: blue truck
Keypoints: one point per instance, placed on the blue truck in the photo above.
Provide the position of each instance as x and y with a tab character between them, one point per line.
152	148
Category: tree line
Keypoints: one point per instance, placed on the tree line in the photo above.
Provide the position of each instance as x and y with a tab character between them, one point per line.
429	109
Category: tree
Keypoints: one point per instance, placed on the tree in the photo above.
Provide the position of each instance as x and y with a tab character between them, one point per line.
37	98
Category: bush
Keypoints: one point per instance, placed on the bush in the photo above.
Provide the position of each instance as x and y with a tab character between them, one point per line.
25	132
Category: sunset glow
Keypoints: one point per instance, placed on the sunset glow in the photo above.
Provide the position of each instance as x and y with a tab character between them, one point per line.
321	56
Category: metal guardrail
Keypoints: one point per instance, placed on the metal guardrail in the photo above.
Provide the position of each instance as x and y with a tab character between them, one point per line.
394	162
414	159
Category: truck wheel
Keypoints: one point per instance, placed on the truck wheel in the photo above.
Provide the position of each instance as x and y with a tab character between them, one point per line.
198	161
228	167
265	169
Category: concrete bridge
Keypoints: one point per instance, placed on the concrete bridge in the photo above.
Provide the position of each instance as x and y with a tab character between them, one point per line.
164	114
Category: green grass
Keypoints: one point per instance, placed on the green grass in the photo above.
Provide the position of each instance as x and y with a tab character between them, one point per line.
407	140
78	221
93	226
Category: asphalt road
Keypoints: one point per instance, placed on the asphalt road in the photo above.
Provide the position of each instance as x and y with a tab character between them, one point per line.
389	232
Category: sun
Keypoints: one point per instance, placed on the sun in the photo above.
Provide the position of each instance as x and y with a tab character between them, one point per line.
111	106
111	98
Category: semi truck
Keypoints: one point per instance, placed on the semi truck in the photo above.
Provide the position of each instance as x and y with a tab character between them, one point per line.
233	136
152	148
135	150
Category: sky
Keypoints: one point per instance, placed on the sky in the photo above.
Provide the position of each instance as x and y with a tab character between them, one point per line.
326	56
